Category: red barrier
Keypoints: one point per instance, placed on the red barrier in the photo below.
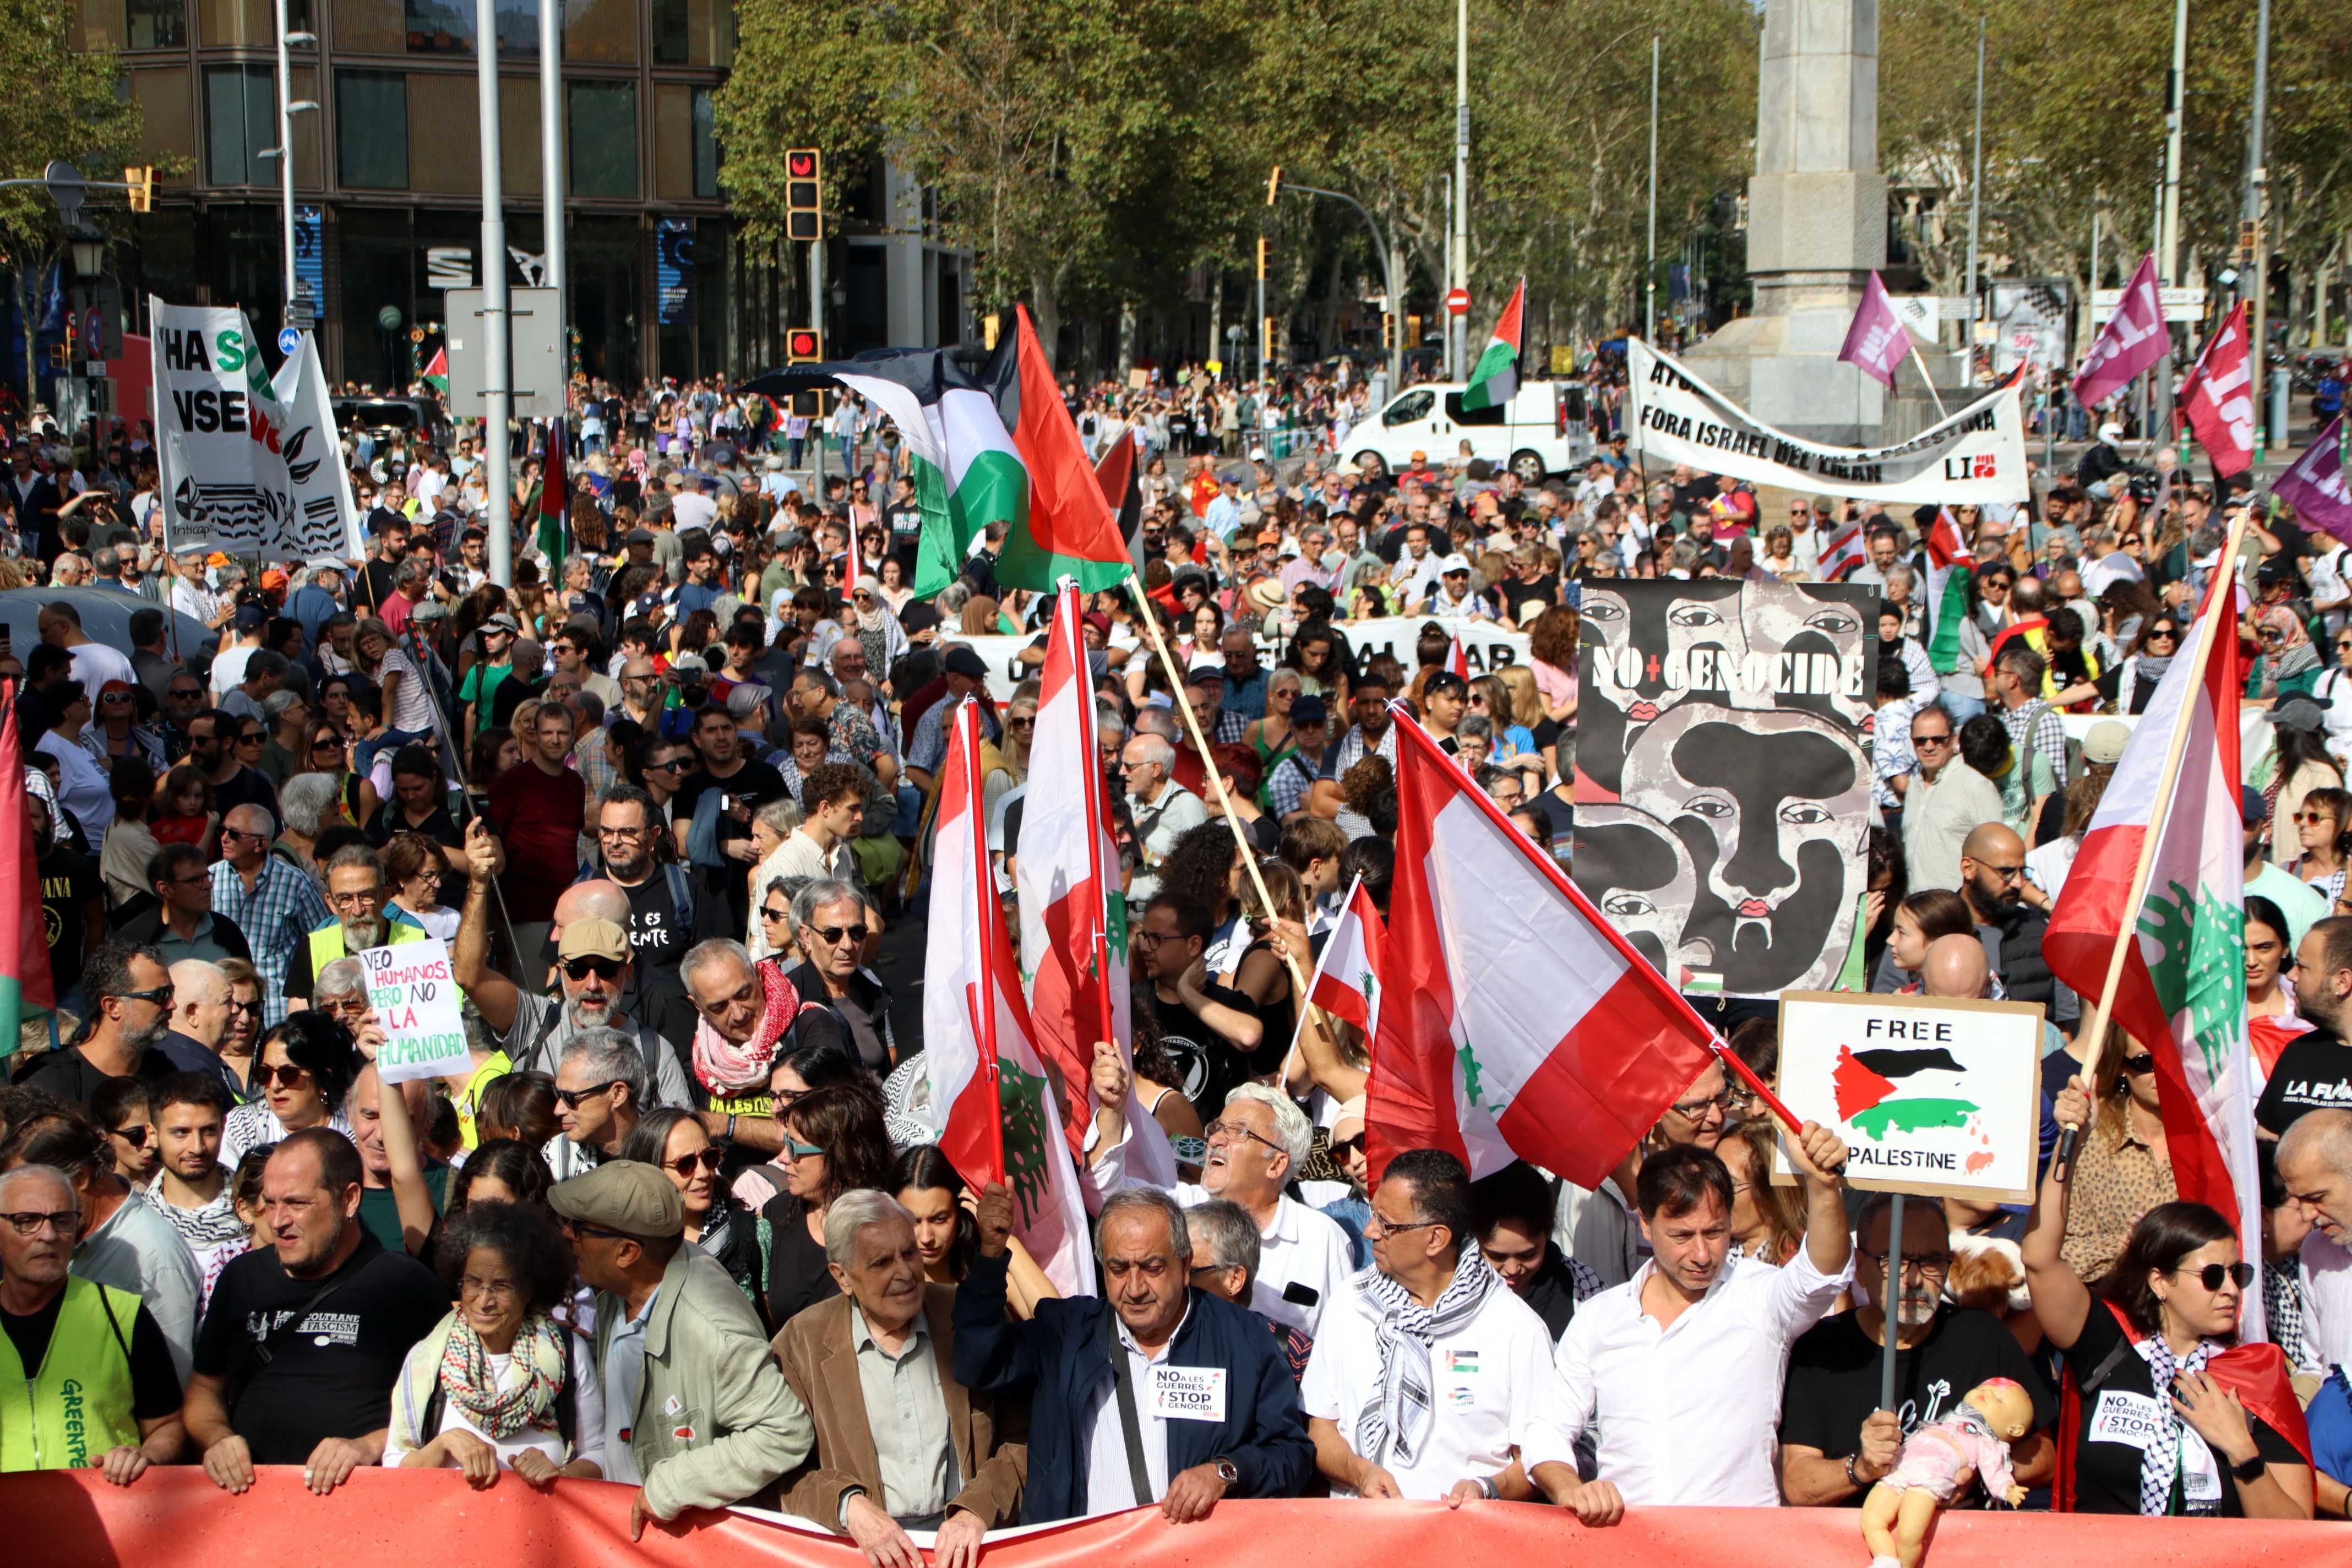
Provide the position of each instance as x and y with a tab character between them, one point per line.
427	1518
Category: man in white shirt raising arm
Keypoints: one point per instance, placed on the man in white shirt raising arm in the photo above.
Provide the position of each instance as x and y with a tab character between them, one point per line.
1430	1379
1681	1366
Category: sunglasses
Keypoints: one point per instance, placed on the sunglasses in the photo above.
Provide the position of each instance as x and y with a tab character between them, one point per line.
601	968
573	1097
135	1134
251	738
286	1075
2213	1275
116	698
771	912
709	1159
832	935
2168	635
2139	1062
794	1148
158	995
676	765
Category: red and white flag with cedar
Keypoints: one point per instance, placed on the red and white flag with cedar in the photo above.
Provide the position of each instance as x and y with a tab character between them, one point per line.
1514	1020
2182	990
995	1110
1347	982
1843	554
1495	380
1073	914
2218	398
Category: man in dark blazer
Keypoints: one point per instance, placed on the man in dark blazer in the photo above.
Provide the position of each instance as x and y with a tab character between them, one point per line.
1154	1393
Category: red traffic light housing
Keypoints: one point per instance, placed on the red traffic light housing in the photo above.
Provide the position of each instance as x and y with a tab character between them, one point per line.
803	345
804	194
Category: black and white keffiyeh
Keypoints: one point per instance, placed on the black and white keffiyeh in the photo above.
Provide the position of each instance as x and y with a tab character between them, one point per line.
1397	1417
2160	1460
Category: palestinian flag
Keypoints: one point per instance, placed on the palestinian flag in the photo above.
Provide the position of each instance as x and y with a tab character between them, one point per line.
24	982
995	1106
1884	1090
1948	571
1117	475
554	503
437	374
1496	381
1070	529
953	443
2163	861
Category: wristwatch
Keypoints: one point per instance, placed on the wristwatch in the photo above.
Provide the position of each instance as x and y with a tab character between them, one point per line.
1225	1471
2252	1471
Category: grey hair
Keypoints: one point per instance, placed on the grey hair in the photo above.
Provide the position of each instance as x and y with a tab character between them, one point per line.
608	1055
1179	1239
1477	724
306	801
1155	748
952	598
350	855
1108	720
821	680
781	814
1899	569
341	977
1159	722
1224	1237
2322	1135
816	893
1291	1130
197	977
273	706
703	954
852	1212
65	1183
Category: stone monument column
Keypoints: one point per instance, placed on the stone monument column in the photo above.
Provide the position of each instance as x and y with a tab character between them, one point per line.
1816	227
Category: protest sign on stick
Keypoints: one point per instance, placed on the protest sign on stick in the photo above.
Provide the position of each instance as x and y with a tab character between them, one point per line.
415	998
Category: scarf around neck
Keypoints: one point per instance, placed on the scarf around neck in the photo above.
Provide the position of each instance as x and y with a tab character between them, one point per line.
473	1385
2160	1460
729	1068
1403	1406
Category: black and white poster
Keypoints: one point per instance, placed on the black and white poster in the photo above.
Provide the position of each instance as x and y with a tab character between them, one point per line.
1723	776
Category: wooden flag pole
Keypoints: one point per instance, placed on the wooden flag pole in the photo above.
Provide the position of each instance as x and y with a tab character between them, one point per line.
2220	602
1918	358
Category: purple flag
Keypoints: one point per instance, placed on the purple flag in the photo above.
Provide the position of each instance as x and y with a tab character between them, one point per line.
1877	342
2133	339
2314	486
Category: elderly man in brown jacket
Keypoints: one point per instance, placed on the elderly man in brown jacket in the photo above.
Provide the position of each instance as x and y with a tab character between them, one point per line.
900	1445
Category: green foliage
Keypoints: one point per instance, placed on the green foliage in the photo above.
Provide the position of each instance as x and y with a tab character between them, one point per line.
61	104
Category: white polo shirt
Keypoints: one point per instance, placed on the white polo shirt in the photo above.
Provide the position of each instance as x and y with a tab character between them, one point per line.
2326	1270
1494	1384
1302	1251
1689	1415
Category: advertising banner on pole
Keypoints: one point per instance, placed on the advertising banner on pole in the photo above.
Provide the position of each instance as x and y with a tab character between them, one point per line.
1975	457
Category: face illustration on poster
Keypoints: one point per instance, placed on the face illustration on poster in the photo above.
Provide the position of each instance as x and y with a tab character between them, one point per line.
1740	738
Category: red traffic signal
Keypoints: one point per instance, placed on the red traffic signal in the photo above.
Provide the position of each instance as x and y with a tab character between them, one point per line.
803	345
801	163
804	194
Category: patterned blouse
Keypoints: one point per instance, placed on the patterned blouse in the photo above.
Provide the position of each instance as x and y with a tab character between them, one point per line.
2116	1180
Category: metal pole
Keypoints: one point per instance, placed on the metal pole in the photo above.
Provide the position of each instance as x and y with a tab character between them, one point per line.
2173	117
1457	327
1650	253
285	153
1976	210
498	395
816	324
1453	373
2257	181
550	162
1891	1290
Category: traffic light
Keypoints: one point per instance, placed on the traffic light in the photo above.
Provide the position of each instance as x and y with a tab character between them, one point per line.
1261	258
1266	341
803	188
803	345
1274	185
141	181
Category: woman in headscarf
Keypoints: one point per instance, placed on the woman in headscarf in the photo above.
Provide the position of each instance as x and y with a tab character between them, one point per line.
878	630
2288	664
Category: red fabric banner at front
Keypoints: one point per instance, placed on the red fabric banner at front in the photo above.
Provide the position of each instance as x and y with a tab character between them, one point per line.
398	1519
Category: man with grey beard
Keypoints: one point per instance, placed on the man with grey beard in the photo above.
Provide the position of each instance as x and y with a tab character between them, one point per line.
1835	1439
356	898
130	993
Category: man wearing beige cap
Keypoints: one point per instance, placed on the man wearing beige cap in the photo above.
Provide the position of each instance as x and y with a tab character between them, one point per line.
696	1412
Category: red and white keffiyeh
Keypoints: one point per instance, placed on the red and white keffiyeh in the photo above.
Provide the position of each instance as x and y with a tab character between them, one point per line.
727	1069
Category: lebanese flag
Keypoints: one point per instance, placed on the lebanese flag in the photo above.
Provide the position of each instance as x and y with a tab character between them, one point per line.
1515	1021
1073	914
1347	977
1495	380
995	1110
2268	1036
1069	530
24	982
2218	398
2183	993
1948	569
1843	553
1457	659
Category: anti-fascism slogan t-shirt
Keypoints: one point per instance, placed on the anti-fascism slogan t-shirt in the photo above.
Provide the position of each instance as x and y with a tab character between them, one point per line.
329	1376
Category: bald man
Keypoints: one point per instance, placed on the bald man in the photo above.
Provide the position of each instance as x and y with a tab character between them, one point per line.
2315	1165
1993	881
1955	966
200	1020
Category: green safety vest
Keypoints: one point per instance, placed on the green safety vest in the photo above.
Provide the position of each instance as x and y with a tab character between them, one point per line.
326	942
75	1409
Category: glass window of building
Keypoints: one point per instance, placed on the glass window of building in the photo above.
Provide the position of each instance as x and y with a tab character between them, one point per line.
603	126
694	32
158	25
240	122
600	32
706	144
371	130
446	28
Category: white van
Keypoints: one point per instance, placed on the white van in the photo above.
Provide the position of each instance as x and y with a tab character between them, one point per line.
1540	431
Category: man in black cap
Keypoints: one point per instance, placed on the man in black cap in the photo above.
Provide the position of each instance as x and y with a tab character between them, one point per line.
967	675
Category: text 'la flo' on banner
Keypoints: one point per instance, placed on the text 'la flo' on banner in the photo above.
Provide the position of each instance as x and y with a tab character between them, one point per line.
1975	457
251	465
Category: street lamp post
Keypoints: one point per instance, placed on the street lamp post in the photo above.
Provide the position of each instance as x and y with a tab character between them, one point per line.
2257	199
283	152
1650	252
1457	327
1976	211
1388	274
497	393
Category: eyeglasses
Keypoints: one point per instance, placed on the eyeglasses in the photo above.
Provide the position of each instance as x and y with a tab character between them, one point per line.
1692	1109
2139	1062
28	1222
2006	873
580	1228
709	1159
2314	816
253	737
360	899
2270	634
116	697
794	1148
601	968
135	1134
2214	1275
772	912
1216	1130
285	1074
832	936
573	1097
622	832
1935	1265
1385	1228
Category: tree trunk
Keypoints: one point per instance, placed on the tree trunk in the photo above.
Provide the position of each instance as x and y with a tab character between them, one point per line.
1126	339
1046	306
1216	313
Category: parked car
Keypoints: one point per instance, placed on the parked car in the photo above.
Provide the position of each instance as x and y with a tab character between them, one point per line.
1540	431
384	417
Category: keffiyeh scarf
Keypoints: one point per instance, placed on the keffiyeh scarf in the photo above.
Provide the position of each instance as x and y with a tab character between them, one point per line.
2160	1461
727	1069
473	1386
1398	1416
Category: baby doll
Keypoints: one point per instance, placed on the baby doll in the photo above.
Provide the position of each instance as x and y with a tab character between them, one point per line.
1937	1460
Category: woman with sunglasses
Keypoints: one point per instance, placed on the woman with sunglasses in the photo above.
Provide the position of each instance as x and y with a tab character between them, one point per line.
2298	768
2148	656
675	1140
2169	1416
120	1108
305	1073
2323	835
834	1140
2288	664
115	732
